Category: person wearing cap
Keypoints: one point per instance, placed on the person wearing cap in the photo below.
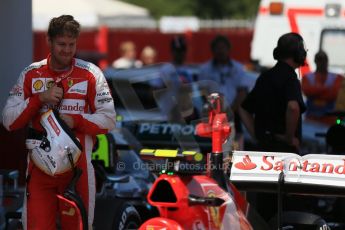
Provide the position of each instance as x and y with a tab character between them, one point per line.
228	77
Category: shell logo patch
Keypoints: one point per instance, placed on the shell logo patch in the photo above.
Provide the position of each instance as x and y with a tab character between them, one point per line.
37	85
41	84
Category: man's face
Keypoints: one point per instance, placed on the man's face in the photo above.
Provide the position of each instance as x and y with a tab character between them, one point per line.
221	52
62	49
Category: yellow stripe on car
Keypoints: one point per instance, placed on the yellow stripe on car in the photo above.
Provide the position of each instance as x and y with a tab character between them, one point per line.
147	151
165	153
189	153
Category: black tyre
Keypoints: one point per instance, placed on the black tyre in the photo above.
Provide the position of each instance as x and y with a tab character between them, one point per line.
126	218
115	214
299	221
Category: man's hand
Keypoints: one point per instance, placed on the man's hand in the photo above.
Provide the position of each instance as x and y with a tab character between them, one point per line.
51	96
290	141
68	120
296	143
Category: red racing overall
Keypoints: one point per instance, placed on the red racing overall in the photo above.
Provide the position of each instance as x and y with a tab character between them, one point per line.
88	100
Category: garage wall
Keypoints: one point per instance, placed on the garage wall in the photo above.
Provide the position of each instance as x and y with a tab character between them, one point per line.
197	42
15	54
15	42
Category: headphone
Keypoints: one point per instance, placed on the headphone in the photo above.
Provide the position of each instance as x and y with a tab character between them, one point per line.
290	45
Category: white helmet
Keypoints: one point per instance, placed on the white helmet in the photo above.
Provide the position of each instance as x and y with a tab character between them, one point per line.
55	152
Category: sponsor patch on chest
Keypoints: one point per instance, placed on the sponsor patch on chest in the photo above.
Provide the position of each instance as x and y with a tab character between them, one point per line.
68	106
78	88
16	91
39	85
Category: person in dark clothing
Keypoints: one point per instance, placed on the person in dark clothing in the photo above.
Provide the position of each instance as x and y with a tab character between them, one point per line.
272	110
272	114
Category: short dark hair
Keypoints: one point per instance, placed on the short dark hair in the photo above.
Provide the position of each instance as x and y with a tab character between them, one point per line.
321	55
220	39
290	45
63	25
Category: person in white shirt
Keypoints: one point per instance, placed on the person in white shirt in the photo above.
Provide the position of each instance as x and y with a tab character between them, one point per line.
128	57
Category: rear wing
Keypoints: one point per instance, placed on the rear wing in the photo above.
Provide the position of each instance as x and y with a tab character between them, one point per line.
312	174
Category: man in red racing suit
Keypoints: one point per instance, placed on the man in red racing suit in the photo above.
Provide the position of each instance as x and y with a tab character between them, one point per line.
79	91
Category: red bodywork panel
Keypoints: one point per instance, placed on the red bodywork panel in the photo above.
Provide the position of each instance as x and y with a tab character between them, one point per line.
161	223
70	212
217	128
227	216
171	193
